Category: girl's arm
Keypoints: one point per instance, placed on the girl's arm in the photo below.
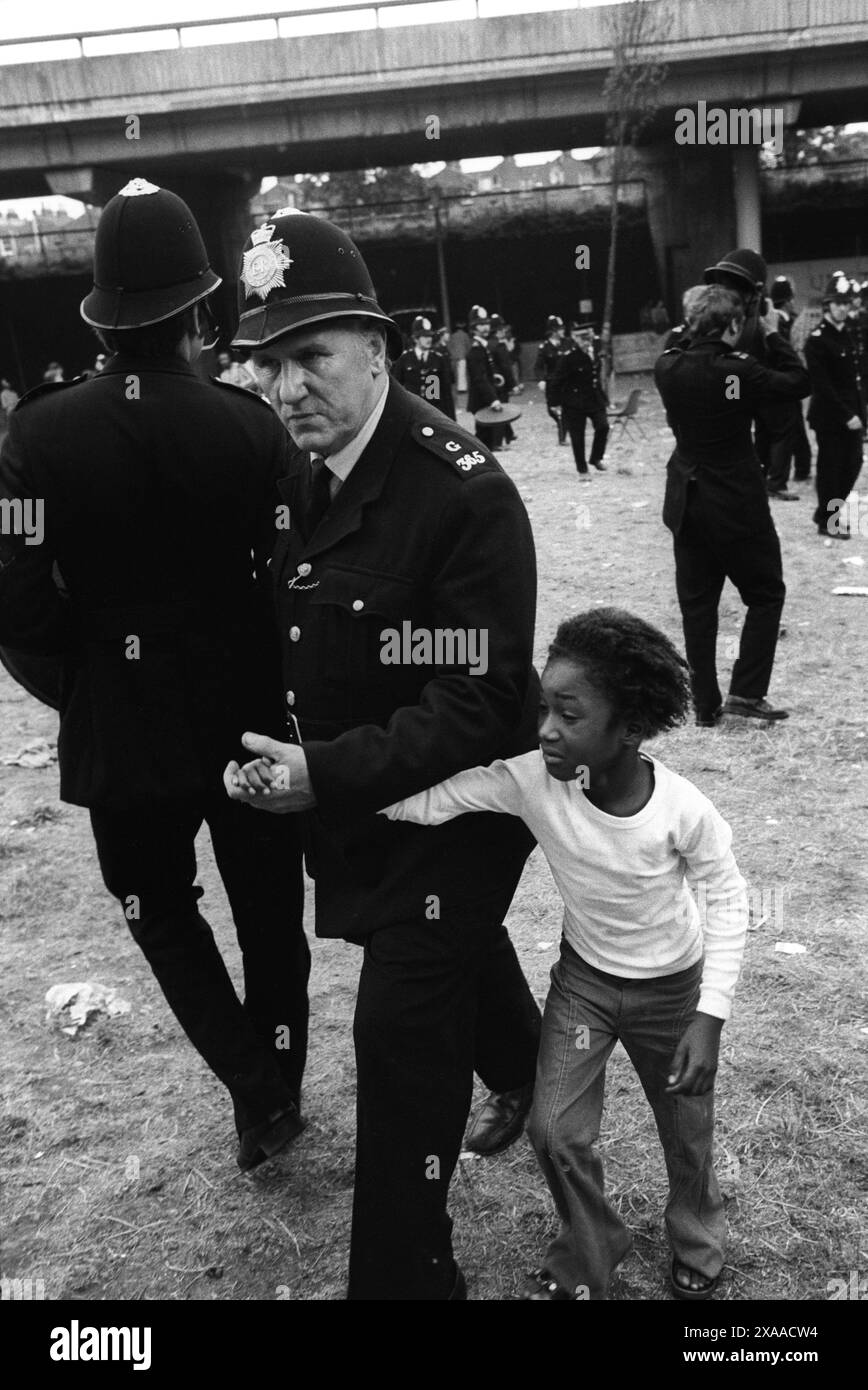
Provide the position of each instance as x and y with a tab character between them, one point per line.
492	788
707	850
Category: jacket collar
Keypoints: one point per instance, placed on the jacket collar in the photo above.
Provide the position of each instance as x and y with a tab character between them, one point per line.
123	362
365	482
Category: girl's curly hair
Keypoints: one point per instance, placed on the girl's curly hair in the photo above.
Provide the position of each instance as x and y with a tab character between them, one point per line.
631	663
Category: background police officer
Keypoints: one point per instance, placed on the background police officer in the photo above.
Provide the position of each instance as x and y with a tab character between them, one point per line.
483	379
425	370
401	523
547	358
836	413
503	368
716	504
744	272
159	493
577	386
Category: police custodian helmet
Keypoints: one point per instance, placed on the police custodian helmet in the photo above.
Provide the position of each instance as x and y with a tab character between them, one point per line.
297	270
149	259
744	267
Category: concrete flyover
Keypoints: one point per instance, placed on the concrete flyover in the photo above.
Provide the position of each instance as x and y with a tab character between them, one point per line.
212	120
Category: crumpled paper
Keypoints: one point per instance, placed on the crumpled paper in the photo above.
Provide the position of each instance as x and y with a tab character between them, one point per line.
37	753
72	1006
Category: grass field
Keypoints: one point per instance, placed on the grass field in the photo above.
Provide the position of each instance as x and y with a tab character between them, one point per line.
118	1167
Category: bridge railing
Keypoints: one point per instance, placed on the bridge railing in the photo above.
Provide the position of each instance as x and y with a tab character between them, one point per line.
327	17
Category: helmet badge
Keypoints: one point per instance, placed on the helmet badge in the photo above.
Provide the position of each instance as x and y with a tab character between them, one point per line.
137	187
264	263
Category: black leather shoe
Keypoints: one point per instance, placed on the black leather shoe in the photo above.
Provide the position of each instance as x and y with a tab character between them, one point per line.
709	721
542	1288
500	1121
263	1141
753	709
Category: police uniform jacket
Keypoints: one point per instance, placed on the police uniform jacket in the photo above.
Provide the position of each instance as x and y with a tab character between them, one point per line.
547	358
159	489
416	376
575	381
710	392
481	390
502	361
831	357
426	534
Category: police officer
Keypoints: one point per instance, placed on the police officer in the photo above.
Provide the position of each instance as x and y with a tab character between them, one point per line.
483	379
577	386
836	413
503	368
745	273
795	447
716	504
424	370
547	358
403	528
158	488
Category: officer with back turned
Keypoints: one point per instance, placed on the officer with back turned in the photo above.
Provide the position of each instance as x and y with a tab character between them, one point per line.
159	489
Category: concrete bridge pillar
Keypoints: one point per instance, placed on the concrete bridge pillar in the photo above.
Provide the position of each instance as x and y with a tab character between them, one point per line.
691	212
746	188
220	204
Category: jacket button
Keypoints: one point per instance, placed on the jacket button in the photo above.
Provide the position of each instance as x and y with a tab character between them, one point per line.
290	697
294	634
358	605
304	569
427	431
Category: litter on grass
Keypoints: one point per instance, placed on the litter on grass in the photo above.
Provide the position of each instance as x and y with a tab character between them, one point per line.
72	1006
790	948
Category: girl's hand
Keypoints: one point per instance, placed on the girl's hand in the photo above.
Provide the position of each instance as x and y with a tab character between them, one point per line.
251	780
695	1062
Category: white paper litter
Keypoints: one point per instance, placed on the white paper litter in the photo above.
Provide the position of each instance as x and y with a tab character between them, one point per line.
38	753
790	948
852	560
72	1005
544	945
857	590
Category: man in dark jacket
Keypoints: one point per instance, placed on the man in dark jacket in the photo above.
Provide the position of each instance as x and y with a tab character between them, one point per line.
716	504
483	378
503	368
158	490
576	384
836	413
405	591
548	355
424	370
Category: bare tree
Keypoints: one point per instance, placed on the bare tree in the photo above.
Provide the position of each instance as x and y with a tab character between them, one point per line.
631	90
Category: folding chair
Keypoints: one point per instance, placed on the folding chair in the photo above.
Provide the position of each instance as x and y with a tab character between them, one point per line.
626	414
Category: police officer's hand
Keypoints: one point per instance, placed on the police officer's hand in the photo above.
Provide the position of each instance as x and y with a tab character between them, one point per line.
768	322
541	385
496	405
854	423
276	780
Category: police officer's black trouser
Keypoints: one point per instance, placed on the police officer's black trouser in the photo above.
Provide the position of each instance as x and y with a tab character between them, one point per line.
148	862
839	462
436	1001
574	424
753	564
557	416
785	446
